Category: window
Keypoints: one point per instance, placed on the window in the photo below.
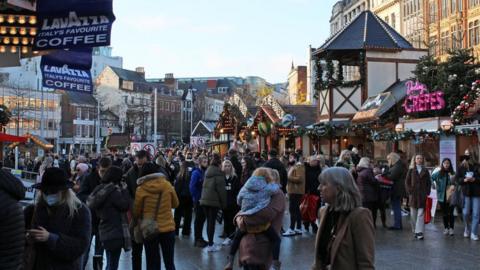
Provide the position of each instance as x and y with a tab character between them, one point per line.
78	130
386	20
160	105
222	90
473	3
132	100
433	11
79	113
393	19
167	106
444	9
444	42
456	36
473	33
476	29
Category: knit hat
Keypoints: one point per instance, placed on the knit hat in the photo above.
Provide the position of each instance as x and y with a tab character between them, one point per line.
54	180
82	167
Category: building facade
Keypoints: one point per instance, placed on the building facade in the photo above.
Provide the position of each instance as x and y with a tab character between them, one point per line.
297	85
27	107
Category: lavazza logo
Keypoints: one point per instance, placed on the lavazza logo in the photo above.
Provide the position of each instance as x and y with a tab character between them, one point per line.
73	20
65	70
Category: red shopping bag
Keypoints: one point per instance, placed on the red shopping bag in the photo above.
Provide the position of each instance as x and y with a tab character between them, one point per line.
308	207
428	210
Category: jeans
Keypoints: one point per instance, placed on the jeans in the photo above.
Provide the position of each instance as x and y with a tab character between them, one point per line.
211	214
152	251
397	211
199	221
113	257
98	250
294	209
471	210
417	218
448	217
136	255
184	210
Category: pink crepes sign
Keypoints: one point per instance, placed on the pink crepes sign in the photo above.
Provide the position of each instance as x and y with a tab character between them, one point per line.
420	100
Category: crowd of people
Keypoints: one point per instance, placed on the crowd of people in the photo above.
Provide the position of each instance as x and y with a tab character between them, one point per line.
143	204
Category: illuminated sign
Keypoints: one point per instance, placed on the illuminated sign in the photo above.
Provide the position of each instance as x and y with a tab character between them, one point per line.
420	100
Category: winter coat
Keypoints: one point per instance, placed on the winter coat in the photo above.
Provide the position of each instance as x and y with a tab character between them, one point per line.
150	187
311	179
86	188
12	224
471	189
442	181
111	203
418	187
196	184
296	179
397	174
213	189
232	186
367	184
131	178
256	249
69	236
276	164
182	184
353	247
255	195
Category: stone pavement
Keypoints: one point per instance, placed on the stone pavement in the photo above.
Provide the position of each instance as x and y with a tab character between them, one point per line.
394	251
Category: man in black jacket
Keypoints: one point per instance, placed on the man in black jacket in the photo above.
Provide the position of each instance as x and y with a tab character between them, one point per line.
274	163
12	222
88	185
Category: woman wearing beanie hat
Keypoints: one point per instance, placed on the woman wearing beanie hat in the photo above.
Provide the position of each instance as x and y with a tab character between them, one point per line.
58	225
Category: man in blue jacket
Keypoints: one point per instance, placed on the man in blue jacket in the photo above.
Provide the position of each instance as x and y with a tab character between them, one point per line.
196	183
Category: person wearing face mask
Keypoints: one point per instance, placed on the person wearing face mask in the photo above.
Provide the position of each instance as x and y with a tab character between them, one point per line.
58	225
418	184
111	201
196	184
468	176
295	190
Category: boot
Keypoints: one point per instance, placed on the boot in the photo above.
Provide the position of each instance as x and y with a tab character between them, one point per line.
230	263
97	262
276	265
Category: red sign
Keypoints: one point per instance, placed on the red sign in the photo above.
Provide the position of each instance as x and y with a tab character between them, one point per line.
420	100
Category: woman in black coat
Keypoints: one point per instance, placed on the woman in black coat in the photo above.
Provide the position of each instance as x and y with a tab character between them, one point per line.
368	186
60	228
232	186
312	171
12	225
111	202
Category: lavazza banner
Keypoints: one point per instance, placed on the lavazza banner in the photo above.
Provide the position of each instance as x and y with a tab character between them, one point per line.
73	24
68	70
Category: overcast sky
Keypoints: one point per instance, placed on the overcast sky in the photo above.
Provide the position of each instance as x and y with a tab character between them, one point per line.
219	37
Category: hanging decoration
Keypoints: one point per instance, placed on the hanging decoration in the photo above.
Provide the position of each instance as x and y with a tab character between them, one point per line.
288	120
264	128
461	112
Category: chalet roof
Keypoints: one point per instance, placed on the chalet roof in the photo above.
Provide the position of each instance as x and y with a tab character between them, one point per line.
366	31
82	99
305	114
128	75
209	126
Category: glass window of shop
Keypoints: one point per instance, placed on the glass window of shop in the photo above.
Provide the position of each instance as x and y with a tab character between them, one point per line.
429	148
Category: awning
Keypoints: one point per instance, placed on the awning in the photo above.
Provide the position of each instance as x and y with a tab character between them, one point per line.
11	138
374	107
42	142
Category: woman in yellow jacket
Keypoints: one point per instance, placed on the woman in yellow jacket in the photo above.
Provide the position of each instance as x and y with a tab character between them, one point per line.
154	187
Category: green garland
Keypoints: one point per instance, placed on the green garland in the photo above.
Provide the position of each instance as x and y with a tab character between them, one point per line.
412	135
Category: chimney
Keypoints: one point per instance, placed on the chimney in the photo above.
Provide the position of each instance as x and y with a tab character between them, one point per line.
169	79
141	71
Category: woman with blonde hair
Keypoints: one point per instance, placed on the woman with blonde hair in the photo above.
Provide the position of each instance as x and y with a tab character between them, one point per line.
232	186
418	183
60	227
396	173
343	224
345	160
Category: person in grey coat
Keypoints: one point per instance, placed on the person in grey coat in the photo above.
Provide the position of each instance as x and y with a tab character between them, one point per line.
397	174
111	201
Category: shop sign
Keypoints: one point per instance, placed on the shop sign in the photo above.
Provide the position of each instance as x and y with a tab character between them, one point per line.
68	70
73	24
420	100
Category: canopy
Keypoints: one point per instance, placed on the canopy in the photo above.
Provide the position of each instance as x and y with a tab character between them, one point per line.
11	138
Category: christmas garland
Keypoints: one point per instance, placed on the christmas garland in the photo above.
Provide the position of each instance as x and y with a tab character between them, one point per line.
461	111
422	134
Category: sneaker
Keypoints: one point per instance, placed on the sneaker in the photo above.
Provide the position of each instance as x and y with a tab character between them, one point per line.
445	232
474	237
466	233
289	232
213	248
298	231
450	232
419	236
227	242
200	243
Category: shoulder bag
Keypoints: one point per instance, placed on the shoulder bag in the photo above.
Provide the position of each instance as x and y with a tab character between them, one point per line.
147	228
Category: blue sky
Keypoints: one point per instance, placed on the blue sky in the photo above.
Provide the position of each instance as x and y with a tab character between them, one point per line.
219	37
